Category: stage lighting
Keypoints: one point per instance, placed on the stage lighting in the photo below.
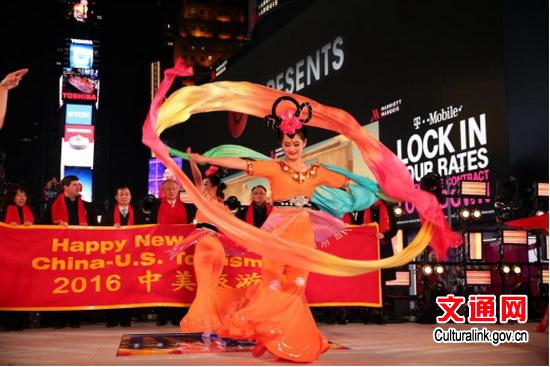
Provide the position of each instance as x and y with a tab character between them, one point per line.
397	211
505	269
439	269
475	246
464	213
476	214
99	218
542	189
402	279
478	277
397	241
516	269
544	276
432	182
539	213
474	188
427	270
514	237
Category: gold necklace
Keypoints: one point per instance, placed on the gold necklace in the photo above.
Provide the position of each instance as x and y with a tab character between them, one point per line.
299	176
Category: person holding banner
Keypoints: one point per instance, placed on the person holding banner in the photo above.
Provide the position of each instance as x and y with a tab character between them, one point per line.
18	212
121	214
258	210
69	208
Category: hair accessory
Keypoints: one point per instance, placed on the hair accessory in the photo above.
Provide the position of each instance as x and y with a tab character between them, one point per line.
289	121
211	171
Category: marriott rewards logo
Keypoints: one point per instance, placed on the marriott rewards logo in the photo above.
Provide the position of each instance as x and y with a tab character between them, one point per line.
311	68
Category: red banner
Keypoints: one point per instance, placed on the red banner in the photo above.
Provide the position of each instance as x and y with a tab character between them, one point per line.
60	268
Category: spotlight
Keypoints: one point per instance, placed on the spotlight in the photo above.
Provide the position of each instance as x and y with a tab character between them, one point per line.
439	269
539	213
397	211
505	269
516	269
427	270
476	214
464	213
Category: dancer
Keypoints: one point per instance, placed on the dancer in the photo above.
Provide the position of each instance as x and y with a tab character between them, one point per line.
205	313
278	245
277	315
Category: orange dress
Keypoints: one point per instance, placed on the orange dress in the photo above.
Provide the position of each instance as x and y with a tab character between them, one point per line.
211	302
276	312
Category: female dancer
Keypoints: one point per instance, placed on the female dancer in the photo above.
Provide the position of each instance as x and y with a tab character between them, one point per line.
277	315
205	313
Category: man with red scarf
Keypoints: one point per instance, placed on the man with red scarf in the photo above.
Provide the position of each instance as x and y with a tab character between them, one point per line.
69	208
258	210
171	210
123	212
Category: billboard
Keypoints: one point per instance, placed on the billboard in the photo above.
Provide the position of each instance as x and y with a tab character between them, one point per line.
80	85
78	114
81	55
439	108
77	146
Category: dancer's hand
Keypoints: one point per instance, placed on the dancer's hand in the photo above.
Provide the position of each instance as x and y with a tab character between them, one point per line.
12	79
195	157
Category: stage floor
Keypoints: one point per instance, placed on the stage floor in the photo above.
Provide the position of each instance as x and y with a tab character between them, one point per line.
391	344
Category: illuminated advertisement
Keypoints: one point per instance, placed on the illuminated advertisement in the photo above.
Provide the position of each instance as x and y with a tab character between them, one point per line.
84	175
80	84
158	173
80	10
78	114
77	147
81	55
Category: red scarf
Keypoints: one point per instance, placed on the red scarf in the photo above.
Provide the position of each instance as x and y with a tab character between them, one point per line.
61	214
383	217
130	215
12	215
250	212
169	215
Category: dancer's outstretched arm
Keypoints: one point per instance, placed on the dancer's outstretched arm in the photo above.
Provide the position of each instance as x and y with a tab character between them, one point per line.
230	162
195	171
